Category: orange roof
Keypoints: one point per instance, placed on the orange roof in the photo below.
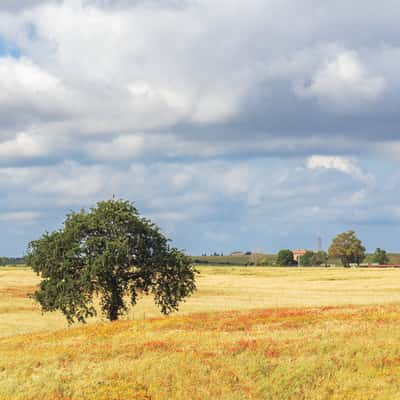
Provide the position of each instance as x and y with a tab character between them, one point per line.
299	252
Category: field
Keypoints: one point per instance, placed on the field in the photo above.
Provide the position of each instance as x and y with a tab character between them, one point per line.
248	333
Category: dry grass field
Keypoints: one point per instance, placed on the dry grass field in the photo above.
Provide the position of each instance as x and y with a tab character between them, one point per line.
248	333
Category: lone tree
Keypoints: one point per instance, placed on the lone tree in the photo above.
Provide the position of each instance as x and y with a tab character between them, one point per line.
109	253
285	257
348	248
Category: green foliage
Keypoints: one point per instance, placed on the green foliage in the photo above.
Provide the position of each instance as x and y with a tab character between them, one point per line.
109	252
11	261
369	259
306	259
319	258
348	248
311	258
266	261
285	257
222	260
380	256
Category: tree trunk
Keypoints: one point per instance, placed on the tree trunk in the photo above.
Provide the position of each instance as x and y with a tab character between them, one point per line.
115	302
113	313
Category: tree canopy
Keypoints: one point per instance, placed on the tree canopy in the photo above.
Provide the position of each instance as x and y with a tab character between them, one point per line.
306	259
311	258
348	248
320	258
109	253
285	257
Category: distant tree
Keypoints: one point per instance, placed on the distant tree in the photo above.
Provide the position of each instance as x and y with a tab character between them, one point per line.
110	253
285	257
248	253
380	256
348	248
266	261
320	258
306	259
12	261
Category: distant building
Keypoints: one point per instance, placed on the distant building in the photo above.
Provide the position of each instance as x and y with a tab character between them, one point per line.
297	254
237	253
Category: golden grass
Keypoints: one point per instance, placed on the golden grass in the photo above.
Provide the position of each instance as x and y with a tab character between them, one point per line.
272	334
220	289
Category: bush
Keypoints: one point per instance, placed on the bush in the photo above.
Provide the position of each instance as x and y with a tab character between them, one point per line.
285	257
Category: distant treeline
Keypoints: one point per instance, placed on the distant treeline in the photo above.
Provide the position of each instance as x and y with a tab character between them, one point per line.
11	261
245	259
265	259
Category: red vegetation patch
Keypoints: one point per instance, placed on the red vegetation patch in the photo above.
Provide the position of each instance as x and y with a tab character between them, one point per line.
252	345
242	321
386	362
243	345
287	318
272	353
19	292
158	345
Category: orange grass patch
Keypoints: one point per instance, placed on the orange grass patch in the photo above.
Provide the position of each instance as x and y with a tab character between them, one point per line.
158	345
275	318
18	291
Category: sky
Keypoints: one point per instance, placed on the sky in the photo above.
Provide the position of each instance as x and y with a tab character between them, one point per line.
233	125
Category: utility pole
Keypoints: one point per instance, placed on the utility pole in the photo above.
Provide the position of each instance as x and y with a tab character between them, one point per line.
319	244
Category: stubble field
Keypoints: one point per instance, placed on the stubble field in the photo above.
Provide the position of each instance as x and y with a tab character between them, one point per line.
248	333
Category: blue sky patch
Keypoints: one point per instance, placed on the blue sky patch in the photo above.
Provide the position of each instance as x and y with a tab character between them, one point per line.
8	49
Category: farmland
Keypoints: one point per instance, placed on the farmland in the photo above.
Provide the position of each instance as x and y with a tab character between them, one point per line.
247	333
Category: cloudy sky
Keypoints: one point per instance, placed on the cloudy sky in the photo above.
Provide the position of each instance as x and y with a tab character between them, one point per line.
257	124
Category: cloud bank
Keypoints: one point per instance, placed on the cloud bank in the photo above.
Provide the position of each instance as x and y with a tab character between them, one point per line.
240	122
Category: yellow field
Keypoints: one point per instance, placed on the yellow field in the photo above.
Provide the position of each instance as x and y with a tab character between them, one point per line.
248	333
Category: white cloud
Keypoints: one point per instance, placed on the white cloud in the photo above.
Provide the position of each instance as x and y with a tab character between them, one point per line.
130	47
215	106
337	163
24	145
344	83
26	87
